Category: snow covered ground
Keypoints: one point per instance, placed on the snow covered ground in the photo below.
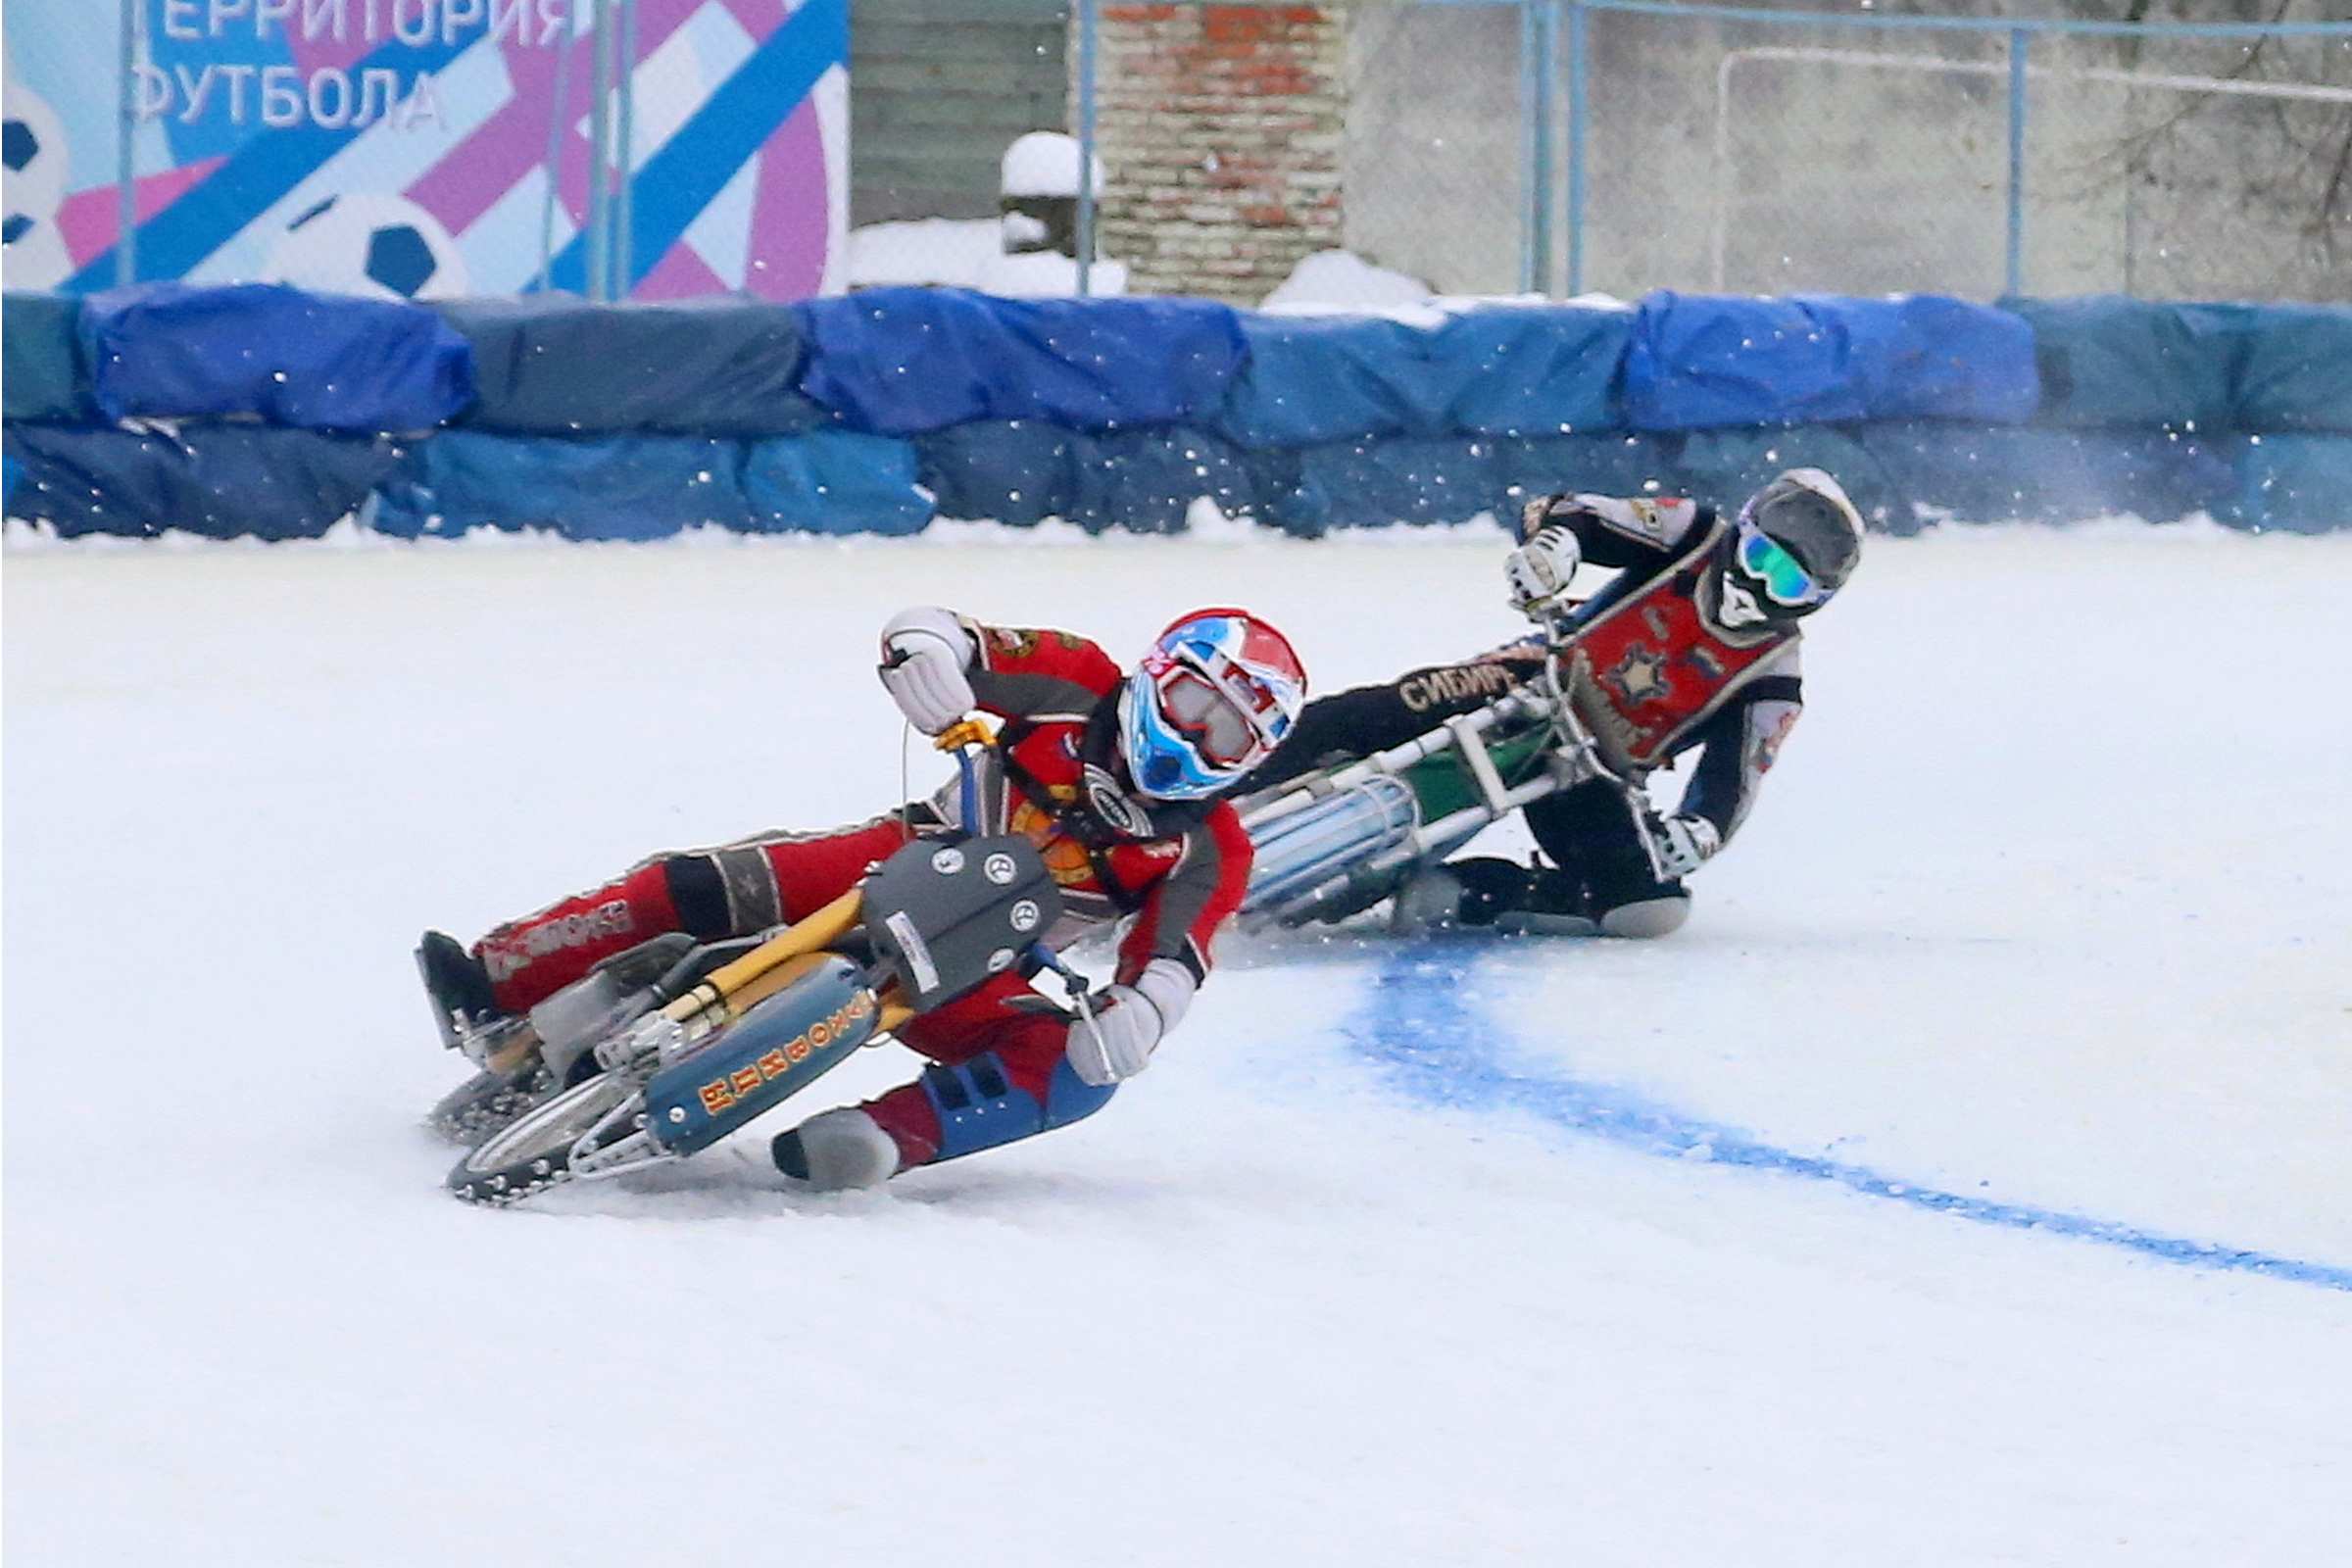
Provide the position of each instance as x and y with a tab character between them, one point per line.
1710	1250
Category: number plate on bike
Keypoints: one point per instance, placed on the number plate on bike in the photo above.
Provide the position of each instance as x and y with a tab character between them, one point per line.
951	913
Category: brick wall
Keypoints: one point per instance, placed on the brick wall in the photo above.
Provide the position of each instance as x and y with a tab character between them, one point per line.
1219	128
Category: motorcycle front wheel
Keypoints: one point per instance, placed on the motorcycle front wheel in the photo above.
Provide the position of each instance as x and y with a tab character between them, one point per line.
535	1152
488	1102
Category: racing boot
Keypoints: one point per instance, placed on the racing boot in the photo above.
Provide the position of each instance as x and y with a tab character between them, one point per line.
457	987
1558	904
837	1150
1551	903
511	1080
1657	916
1470	892
1430	902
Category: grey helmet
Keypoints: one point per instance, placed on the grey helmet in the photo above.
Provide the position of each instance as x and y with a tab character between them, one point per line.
1795	543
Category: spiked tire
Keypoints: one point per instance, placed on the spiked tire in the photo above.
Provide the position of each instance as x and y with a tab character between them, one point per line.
489	1101
535	1150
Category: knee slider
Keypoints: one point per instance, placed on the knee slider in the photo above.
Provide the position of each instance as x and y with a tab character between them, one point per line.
1070	1098
979	1107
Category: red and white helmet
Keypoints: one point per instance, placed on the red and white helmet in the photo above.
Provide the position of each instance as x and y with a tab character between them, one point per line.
1218	692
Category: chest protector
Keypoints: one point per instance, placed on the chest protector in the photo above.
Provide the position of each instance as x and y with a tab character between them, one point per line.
1092	835
1652	666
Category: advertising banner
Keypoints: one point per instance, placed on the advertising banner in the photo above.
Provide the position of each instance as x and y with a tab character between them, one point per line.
427	149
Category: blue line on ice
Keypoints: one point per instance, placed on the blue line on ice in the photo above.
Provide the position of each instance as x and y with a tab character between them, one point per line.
1435	1045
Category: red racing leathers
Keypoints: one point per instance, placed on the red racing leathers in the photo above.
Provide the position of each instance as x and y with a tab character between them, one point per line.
1178	869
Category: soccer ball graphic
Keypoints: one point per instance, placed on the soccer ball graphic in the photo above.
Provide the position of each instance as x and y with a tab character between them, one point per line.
385	247
32	155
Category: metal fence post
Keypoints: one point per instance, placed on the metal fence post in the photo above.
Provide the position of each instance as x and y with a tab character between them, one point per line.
561	101
1087	20
1577	126
598	251
1540	43
126	194
1530	120
624	155
2018	41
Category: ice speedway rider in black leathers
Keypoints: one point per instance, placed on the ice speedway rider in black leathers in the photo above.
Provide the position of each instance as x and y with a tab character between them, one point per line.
1692	647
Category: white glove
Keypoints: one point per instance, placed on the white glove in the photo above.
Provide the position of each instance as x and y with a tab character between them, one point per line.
1119	1041
1539	569
925	656
1683	845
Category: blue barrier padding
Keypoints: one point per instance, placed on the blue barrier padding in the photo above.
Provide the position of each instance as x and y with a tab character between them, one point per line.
1700	361
11	470
1145	481
1493	370
1317	379
904	360
619	487
1536	371
2113	363
2108	362
2294	483
43	376
1724	468
1374	484
1993	474
1015	471
554	365
1122	413
225	480
1633	463
292	357
834	481
2296	372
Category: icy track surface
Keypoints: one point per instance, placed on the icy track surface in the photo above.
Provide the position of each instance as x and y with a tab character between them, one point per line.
1830	1231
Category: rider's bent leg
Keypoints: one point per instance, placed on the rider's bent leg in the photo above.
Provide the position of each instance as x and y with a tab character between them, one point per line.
1605	884
998	1076
736	890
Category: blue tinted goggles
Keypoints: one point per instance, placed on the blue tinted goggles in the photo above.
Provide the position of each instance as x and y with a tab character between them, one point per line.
1781	575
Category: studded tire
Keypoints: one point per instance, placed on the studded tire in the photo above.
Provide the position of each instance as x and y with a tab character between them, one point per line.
533	1152
488	1102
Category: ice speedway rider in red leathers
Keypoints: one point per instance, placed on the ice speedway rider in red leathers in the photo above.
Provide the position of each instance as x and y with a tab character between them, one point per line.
1692	647
1117	779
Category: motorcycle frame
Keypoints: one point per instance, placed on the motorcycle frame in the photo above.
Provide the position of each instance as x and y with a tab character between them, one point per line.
1574	758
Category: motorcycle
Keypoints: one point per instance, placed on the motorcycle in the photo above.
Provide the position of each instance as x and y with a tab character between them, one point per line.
664	1049
1332	843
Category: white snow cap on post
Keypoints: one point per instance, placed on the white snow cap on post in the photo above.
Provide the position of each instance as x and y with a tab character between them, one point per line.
1043	163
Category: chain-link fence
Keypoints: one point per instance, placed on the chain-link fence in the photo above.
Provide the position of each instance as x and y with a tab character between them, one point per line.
1628	144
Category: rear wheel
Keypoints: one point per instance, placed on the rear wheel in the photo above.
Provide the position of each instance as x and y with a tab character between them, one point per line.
536	1150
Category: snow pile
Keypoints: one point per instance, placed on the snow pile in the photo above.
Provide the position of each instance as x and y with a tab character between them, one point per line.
1340	282
1043	163
967	253
990	255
